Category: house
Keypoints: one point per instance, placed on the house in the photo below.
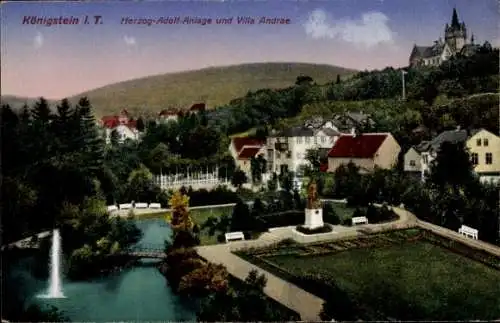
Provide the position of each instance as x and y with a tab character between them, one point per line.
197	107
286	150
455	42
243	149
168	115
124	126
366	150
347	121
484	148
413	158
429	150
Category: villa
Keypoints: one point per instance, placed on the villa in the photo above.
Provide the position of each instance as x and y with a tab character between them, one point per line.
366	150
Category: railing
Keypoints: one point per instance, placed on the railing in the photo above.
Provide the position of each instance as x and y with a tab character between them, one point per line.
168	181
146	247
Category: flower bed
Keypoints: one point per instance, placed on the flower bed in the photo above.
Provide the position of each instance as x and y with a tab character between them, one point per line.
387	282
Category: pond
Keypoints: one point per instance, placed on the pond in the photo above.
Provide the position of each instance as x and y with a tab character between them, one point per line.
139	293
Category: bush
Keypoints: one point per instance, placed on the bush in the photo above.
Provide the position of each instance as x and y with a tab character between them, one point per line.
329	215
324	229
219	195
221	238
282	219
346	222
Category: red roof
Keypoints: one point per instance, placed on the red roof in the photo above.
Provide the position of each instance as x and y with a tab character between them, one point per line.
168	112
249	152
359	146
240	142
112	122
197	107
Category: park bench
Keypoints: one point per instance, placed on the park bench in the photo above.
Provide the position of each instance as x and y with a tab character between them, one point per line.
141	205
155	206
359	220
125	206
234	236
112	208
468	232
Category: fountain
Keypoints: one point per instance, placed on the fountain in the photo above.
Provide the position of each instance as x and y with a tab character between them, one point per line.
55	285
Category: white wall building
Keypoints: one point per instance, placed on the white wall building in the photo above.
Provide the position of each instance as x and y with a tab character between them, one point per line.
286	151
124	132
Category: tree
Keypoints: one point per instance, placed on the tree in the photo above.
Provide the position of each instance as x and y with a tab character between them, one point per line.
158	158
239	178
258	167
114	138
452	167
140	124
303	80
315	159
140	185
89	141
338	79
241	220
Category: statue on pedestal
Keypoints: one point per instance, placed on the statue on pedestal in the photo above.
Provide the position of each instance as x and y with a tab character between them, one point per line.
312	196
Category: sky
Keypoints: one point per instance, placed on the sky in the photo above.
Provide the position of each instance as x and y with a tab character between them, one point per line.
63	60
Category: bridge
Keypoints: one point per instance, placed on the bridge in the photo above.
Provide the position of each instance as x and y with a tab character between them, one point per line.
146	250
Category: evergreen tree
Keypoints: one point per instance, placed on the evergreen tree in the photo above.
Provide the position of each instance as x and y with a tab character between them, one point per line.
41	112
89	142
63	126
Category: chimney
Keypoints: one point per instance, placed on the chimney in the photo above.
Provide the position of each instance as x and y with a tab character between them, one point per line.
353	132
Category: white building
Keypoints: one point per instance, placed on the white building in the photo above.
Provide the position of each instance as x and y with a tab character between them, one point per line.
286	151
124	126
124	132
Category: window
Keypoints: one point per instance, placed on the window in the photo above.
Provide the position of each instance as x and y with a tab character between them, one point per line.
425	159
489	158
485	142
278	155
308	140
474	159
299	140
412	163
323	139
478	142
315	140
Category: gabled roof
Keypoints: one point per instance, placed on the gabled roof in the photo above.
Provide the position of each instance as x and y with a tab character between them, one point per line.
428	51
453	136
168	112
248	152
198	107
240	142
112	122
359	146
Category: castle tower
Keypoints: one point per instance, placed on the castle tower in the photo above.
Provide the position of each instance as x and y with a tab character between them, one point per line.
455	35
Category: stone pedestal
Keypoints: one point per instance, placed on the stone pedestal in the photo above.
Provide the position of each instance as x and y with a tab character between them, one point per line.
314	218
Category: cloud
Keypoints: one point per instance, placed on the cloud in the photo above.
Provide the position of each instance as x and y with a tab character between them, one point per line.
368	31
38	40
130	41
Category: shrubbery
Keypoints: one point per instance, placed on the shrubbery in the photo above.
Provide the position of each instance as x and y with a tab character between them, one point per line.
219	195
323	229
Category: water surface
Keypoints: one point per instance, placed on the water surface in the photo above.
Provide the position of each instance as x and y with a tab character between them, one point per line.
140	293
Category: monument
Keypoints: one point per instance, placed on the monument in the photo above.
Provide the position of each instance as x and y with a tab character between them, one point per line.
313	212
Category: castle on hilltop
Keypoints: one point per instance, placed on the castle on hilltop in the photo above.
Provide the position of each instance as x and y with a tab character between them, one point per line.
455	42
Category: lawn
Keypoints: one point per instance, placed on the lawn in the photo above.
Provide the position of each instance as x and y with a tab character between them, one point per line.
406	279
